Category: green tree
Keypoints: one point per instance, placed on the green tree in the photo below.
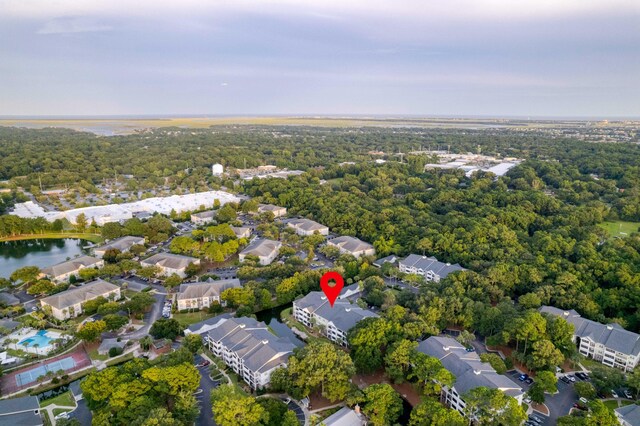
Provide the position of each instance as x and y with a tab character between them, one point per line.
114	322
321	366
91	331
149	272
231	408
433	413
382	404
41	287
399	359
191	270
430	373
193	342
545	355
585	390
26	274
368	340
87	274
530	301
166	328
496	362
81	222
111	230
492	406
139	302
173	280
111	255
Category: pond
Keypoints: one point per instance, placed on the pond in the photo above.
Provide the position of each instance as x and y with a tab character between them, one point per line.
271	317
39	252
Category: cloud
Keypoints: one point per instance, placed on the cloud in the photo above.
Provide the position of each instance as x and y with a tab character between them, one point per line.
72	25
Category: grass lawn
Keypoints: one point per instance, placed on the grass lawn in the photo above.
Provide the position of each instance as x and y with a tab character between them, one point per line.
65	400
620	228
45	416
192	317
94	238
119	360
611	405
57	411
93	354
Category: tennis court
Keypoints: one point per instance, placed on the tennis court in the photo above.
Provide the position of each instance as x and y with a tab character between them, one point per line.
31	376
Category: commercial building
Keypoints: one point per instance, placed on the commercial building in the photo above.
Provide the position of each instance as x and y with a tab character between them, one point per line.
170	263
124	211
203	294
122	244
352	246
62	271
609	344
69	303
306	227
428	267
265	250
314	310
249	349
468	370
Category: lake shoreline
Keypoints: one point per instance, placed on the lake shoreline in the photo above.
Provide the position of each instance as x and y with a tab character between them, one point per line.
94	238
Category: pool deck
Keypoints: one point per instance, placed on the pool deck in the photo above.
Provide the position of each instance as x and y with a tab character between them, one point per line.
8	381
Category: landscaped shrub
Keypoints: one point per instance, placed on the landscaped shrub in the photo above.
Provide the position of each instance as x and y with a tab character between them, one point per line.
115	351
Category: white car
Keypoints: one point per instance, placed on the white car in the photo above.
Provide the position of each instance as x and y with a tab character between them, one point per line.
614	394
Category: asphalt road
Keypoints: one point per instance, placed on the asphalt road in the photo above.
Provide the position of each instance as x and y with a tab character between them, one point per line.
149	318
206	384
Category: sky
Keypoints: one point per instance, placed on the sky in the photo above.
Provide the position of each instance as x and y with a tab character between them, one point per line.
526	58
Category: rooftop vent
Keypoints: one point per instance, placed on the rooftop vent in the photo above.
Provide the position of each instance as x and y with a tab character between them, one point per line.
323	297
264	342
448	264
242	325
609	327
446	348
477	372
348	309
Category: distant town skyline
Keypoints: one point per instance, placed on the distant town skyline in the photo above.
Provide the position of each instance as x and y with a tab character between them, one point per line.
532	58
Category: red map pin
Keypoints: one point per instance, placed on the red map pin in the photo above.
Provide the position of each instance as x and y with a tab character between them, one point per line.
332	292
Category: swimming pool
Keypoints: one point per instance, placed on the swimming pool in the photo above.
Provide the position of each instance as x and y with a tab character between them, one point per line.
40	338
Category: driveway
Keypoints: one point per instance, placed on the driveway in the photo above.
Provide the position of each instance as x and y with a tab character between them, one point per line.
296	409
395	283
149	318
206	384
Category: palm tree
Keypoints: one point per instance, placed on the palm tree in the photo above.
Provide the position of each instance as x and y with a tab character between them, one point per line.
37	345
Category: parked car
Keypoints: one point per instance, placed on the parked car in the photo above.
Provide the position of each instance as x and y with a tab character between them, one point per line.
571	378
580	406
565	379
582	376
523	377
628	394
614	394
528	381
583	400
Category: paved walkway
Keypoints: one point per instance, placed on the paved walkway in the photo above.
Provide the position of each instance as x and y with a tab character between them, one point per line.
49	409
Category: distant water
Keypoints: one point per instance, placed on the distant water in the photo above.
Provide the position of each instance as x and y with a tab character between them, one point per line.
40	253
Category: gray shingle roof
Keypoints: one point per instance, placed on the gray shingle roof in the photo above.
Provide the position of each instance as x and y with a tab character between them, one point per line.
209	214
122	244
253	343
269	208
70	265
612	336
469	371
18	405
343	314
343	417
28	418
431	264
81	294
350	244
306	225
169	260
210	288
261	247
194	328
630	413
8	298
111	343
